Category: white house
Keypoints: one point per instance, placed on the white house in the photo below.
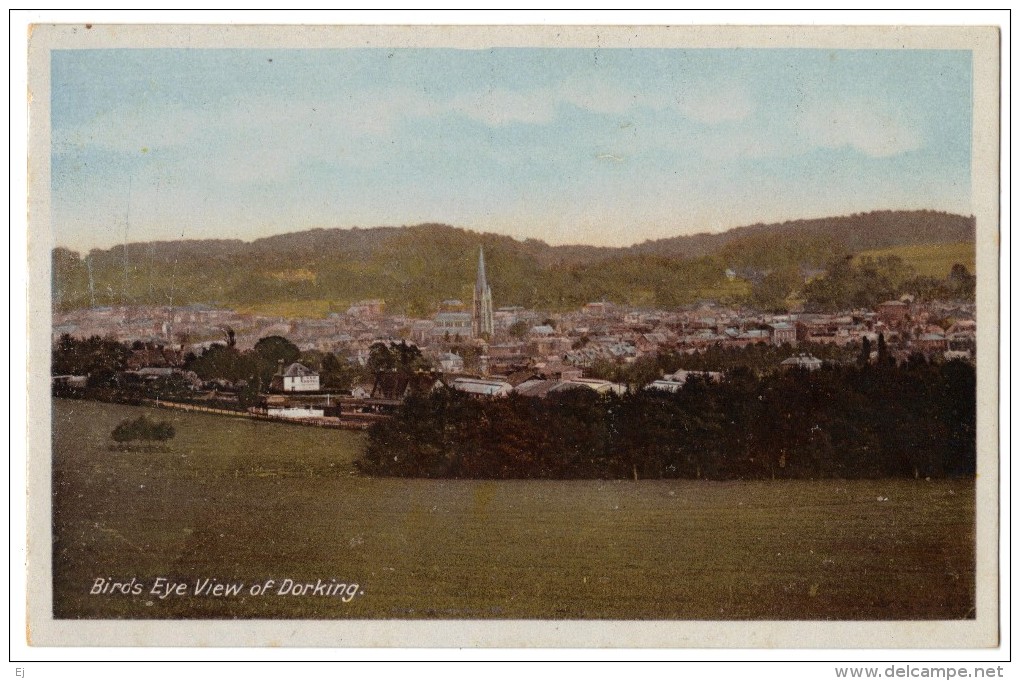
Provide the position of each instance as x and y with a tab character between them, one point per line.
296	378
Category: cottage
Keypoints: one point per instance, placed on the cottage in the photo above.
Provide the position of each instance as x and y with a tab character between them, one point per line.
295	378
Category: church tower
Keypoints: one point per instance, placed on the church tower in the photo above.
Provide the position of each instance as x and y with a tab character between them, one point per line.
481	315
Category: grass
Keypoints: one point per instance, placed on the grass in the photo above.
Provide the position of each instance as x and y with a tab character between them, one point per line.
306	309
737	289
246	501
933	260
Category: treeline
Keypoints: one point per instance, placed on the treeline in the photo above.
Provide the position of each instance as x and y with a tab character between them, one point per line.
761	358
858	421
414	267
244	372
849	285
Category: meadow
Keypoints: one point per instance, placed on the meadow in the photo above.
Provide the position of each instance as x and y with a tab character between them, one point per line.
931	260
242	502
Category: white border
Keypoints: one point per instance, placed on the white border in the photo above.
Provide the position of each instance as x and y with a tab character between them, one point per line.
19	278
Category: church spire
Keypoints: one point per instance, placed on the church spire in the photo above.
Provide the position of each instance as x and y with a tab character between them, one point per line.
481	313
480	283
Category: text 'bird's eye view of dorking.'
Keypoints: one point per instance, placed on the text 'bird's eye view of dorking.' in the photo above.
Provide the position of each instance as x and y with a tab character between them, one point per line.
671	334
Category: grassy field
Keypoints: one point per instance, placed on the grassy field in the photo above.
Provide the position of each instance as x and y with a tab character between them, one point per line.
243	501
933	260
311	309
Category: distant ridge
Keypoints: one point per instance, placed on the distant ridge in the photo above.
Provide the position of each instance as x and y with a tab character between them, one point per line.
413	267
858	232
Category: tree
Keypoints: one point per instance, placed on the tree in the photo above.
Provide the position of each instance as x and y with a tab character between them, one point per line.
142	428
865	356
223	362
380	359
336	375
771	292
95	357
883	352
269	352
961	283
518	329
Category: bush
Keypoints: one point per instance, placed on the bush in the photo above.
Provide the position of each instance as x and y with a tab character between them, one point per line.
142	428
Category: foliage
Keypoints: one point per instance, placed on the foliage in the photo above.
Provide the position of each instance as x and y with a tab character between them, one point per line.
142	428
269	354
771	292
867	282
414	267
335	374
847	285
98	358
224	362
854	421
761	358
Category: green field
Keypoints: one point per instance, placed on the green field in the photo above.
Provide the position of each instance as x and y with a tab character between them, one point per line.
245	501
932	260
310	309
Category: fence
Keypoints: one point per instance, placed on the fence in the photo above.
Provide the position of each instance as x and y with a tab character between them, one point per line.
346	422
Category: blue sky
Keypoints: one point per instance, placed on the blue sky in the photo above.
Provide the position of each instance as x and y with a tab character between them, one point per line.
601	146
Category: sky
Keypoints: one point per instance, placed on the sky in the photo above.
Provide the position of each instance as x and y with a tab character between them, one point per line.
594	146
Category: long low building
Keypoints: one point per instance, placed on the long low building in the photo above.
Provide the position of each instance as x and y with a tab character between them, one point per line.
482	386
541	387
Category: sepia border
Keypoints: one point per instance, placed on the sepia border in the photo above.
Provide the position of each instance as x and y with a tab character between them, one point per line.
982	632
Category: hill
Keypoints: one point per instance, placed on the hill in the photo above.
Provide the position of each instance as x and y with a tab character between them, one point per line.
318	271
858	232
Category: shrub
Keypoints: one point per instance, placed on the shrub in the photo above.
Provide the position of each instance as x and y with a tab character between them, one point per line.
142	428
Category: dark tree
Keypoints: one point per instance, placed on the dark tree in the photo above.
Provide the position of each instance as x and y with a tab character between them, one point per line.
142	428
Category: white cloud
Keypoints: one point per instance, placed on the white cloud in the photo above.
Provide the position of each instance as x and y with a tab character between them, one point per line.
862	125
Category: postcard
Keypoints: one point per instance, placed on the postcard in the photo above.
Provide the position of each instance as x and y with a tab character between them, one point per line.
513	336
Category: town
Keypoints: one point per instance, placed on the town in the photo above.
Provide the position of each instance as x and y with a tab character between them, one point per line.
492	351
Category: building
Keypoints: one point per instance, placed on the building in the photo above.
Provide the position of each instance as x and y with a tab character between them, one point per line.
675	382
295	378
295	412
481	315
451	363
931	343
367	308
802	361
452	326
598	385
893	312
783	333
482	387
